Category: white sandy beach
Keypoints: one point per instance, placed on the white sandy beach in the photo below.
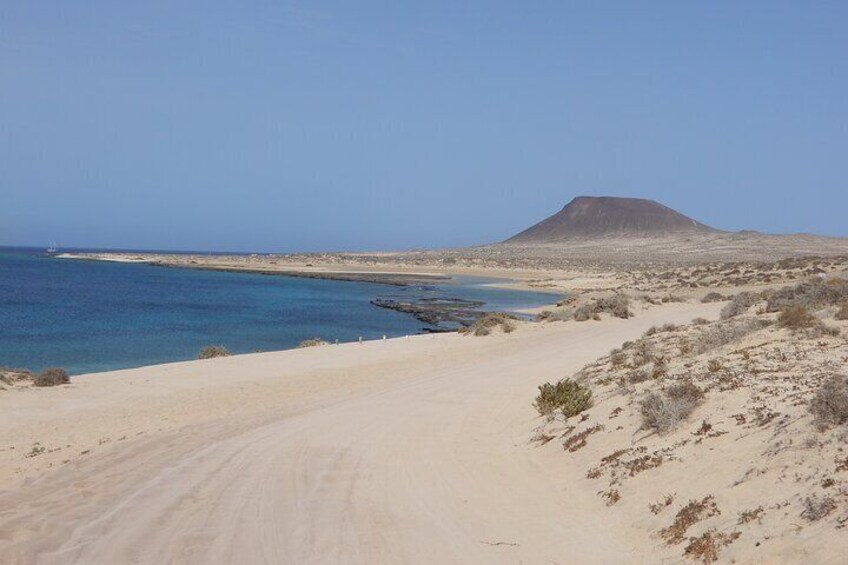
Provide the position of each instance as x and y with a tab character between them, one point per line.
406	451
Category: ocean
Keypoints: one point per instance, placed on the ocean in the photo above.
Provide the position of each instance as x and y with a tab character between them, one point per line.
90	316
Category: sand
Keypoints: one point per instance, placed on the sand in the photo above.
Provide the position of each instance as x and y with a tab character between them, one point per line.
405	451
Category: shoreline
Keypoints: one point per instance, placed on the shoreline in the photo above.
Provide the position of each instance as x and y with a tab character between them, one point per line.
279	422
374	277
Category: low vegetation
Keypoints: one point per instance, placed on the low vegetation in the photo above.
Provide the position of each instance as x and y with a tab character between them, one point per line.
796	317
489	322
694	512
314	342
830	403
51	377
714	297
740	304
212	351
812	295
662	412
568	396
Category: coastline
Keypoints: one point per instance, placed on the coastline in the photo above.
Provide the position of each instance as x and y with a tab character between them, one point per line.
448	461
118	435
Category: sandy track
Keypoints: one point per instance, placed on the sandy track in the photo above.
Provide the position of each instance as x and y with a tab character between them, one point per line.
431	467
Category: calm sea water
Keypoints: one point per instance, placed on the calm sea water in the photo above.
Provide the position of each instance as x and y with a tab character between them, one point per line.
92	316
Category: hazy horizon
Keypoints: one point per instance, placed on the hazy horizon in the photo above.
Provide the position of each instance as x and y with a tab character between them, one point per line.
311	127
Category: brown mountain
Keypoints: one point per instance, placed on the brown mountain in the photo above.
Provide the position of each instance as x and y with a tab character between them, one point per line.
597	216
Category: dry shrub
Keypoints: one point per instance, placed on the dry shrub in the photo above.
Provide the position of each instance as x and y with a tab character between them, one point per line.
815	509
842	313
694	512
617	305
51	377
618	359
749	516
714	297
212	351
637	376
796	317
558	315
715	365
611	496
740	304
643	353
813	295
660	368
706	547
578	441
586	312
658	507
10	375
489	322
314	342
830	403
663	412
665	328
724	333
567	395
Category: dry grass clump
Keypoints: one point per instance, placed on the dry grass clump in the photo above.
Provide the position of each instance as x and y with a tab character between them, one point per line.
10	375
664	412
796	317
813	295
212	351
706	547
725	333
567	395
665	328
694	512
815	509
740	304
489	322
314	342
714	297
830	403
617	305
559	315
51	377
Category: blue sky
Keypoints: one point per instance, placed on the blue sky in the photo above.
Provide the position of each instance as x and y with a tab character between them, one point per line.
282	126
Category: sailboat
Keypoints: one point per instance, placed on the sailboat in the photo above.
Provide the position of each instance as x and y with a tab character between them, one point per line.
52	249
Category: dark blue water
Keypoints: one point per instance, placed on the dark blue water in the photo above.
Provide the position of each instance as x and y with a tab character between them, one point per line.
92	316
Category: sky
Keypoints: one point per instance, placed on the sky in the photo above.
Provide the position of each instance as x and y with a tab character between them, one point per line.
304	126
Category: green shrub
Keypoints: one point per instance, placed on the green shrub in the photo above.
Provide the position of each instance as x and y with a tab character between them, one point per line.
212	351
51	377
567	395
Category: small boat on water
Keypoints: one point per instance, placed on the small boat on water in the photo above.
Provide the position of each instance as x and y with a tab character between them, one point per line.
52	249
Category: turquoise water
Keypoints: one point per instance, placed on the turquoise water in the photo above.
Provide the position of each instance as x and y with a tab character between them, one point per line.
90	316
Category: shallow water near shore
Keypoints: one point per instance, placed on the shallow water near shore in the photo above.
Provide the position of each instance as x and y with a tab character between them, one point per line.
90	316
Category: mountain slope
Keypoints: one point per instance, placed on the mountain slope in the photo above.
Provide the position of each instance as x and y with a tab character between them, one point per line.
595	216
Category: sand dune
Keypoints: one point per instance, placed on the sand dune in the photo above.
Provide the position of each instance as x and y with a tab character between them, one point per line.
406	451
